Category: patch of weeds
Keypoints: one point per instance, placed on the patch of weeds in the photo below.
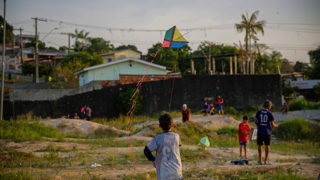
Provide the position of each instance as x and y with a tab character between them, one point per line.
101	132
194	156
140	176
53	148
25	130
297	130
232	131
109	142
286	160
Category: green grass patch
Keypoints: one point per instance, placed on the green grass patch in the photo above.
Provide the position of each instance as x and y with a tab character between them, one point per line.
188	155
238	114
24	130
110	142
302	104
297	130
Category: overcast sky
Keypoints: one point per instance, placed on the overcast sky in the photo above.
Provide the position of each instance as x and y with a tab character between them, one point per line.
293	26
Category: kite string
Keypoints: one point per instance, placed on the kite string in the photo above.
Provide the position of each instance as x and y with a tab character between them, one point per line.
135	96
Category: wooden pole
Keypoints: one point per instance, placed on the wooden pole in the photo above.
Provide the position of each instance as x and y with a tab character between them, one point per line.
213	65
192	67
230	63
235	65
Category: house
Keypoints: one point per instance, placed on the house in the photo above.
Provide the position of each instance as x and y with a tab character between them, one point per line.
115	71
295	76
120	54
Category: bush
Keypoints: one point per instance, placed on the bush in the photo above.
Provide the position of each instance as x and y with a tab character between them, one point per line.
298	129
230	110
124	104
302	104
227	130
25	130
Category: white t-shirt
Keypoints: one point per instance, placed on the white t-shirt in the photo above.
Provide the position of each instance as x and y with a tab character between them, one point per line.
168	161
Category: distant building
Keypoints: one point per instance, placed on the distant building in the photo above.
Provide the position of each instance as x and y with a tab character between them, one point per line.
120	54
295	76
127	69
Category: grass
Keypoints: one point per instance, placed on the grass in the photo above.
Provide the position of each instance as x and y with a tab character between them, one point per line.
207	173
302	104
238	114
297	130
24	130
110	142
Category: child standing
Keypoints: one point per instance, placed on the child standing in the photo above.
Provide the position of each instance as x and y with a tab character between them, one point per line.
185	113
244	131
167	160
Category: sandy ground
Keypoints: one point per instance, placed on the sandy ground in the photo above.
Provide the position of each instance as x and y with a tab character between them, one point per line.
218	160
83	127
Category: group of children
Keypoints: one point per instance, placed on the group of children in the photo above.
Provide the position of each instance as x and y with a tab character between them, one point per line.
168	161
209	108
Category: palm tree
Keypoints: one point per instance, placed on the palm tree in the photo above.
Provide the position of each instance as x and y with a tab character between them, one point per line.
251	27
80	35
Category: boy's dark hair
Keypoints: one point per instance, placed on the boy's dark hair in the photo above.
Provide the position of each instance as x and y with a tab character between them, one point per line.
245	118
267	103
166	122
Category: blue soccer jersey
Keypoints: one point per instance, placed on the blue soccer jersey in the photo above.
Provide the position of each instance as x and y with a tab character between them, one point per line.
265	118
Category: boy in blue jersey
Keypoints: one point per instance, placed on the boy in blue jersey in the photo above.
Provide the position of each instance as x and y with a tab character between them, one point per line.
167	160
264	121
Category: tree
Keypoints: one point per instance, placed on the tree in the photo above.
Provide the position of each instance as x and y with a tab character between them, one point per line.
166	56
315	63
32	43
251	27
28	69
78	61
9	32
221	63
81	40
129	46
98	45
63	48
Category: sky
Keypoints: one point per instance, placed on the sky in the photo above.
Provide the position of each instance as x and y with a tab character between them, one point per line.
292	26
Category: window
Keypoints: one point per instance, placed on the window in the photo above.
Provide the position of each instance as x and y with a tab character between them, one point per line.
109	60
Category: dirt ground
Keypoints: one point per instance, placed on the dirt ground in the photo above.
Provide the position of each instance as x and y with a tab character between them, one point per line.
76	159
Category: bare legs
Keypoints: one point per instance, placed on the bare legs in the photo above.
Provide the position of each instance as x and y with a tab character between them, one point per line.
245	151
267	149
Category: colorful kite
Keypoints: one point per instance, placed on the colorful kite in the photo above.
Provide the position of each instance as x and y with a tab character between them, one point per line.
174	39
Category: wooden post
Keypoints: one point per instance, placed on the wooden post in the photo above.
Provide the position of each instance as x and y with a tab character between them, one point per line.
213	65
231	65
192	67
235	65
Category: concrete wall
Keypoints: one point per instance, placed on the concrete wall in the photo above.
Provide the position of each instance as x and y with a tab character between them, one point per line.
238	91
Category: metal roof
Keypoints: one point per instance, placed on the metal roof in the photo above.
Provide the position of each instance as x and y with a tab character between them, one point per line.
120	61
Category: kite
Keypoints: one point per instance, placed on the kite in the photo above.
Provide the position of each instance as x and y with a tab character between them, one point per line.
174	39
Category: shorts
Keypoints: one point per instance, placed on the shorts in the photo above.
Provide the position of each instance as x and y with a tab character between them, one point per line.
219	108
263	138
243	143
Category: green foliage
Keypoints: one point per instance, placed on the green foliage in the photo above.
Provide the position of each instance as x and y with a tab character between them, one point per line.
124	103
9	31
32	43
298	129
98	45
222	63
315	62
23	130
232	131
78	61
289	91
129	46
302	104
44	70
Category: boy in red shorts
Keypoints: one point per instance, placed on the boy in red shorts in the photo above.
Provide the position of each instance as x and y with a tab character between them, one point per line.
244	131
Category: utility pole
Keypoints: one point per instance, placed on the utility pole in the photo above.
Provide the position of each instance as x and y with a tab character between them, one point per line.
21	46
230	65
36	19
235	65
69	38
3	57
